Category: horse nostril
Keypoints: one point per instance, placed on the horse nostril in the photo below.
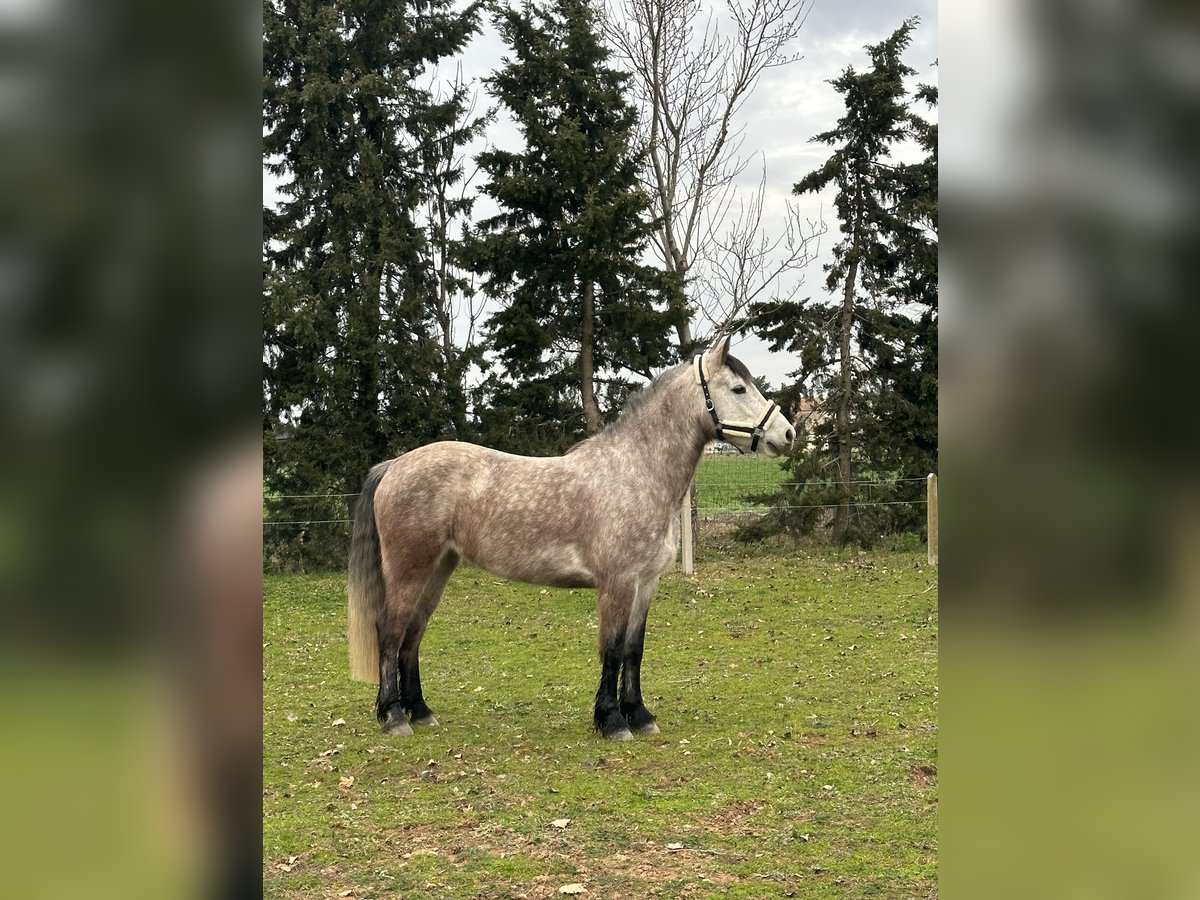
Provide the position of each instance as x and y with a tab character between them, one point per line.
790	435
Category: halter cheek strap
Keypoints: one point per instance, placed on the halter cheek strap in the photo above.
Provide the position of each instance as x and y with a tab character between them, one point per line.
754	432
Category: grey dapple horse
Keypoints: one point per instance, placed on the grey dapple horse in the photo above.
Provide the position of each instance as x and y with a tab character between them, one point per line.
605	515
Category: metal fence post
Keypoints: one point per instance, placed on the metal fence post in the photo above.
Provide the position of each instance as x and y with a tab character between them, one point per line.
931	518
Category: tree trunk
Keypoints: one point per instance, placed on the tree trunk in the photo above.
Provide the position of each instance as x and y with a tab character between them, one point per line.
841	516
444	313
364	324
677	265
587	365
684	332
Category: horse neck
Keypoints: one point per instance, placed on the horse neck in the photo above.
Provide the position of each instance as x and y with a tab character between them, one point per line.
665	437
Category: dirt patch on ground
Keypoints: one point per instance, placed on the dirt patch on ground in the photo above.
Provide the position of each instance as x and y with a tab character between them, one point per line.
641	871
812	740
644	871
732	819
923	777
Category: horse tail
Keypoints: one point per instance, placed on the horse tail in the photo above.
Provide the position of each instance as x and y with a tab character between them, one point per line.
366	587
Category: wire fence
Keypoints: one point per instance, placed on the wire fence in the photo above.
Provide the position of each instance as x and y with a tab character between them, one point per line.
730	487
308	531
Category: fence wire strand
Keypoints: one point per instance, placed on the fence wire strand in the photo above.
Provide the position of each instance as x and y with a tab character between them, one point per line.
752	483
729	490
309	522
763	508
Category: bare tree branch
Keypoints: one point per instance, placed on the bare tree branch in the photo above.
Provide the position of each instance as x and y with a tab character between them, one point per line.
447	208
691	78
745	266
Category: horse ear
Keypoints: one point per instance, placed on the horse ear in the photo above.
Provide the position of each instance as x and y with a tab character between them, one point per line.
715	357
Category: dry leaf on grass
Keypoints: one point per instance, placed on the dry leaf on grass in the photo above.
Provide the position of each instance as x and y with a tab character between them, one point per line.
561	823
575	888
346	781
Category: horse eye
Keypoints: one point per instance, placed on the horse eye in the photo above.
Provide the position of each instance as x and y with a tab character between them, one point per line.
740	389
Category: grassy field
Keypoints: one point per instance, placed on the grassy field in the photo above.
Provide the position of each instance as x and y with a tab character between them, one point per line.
724	481
797	697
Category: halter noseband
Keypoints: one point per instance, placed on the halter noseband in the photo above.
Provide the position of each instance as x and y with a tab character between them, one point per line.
754	432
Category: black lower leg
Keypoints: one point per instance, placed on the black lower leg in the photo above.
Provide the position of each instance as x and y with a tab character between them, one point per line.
411	697
608	718
632	706
389	693
387	703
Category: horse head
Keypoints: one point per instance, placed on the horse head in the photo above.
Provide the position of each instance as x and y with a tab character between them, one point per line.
739	413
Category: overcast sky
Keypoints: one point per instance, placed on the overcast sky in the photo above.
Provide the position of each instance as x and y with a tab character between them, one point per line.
789	106
793	103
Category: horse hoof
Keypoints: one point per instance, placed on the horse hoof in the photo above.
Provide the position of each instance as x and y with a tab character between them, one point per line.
398	726
430	719
648	728
623	735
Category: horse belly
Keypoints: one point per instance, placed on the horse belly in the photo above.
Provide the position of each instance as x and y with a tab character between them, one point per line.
522	520
553	566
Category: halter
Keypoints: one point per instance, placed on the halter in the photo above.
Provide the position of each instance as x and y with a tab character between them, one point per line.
754	432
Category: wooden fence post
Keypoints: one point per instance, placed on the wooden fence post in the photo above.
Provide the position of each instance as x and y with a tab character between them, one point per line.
931	519
685	532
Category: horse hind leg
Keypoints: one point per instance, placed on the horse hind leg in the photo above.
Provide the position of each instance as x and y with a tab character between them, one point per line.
411	697
391	627
405	579
632	706
393	624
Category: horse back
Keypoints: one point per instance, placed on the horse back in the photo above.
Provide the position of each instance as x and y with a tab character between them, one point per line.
525	518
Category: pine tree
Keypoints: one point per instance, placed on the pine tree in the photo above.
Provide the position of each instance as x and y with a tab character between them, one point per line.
446	216
563	253
870	349
352	369
903	341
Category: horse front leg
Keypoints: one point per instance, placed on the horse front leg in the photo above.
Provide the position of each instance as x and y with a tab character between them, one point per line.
615	605
633	708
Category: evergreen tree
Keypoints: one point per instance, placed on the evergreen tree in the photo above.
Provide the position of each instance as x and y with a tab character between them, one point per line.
903	341
535	417
352	369
563	253
870	349
446	216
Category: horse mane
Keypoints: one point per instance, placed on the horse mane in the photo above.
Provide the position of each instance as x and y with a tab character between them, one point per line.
638	399
738	368
635	401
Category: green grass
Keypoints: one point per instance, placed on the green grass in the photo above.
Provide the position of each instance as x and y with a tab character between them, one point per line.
797	699
725	482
